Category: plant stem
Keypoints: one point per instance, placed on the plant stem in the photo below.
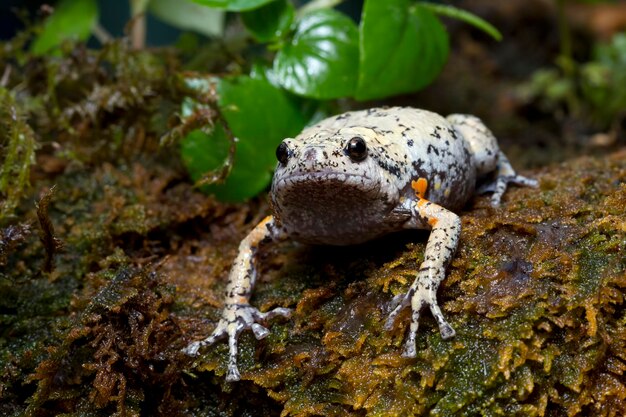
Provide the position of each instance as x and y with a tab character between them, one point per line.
101	34
138	23
318	4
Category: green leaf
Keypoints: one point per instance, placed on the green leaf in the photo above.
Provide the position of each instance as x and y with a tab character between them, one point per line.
465	16
321	60
187	15
270	22
202	152
234	5
403	47
260	116
71	19
260	70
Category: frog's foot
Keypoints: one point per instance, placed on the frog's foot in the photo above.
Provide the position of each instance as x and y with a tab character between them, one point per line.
235	319
498	187
417	299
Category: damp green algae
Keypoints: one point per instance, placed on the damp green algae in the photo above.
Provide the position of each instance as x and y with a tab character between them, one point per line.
535	292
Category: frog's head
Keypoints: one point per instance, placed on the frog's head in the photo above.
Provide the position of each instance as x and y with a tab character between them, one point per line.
330	161
333	176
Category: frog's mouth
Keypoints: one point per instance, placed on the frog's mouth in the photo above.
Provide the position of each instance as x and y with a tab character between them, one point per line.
326	184
330	208
323	177
324	193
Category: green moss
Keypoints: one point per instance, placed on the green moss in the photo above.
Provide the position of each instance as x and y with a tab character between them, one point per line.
17	153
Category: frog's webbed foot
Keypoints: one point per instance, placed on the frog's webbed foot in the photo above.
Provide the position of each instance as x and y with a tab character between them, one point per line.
235	319
417	297
499	185
505	175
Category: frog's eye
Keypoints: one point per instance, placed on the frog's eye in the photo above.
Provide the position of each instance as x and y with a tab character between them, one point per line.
356	149
282	153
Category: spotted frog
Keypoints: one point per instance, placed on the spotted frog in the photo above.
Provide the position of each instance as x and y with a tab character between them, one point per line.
360	175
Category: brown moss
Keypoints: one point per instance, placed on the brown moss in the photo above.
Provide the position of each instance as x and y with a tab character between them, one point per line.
50	243
11	237
118	351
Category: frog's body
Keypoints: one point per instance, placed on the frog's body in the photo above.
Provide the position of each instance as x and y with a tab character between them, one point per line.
372	197
360	175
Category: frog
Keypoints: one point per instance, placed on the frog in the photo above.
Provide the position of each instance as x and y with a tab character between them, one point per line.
355	177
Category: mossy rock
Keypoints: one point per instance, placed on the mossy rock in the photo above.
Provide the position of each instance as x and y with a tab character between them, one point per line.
535	293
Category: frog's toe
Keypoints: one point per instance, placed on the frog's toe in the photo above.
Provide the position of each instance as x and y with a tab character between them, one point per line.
192	348
277	312
410	349
445	329
392	319
524	181
220	332
499	186
397	304
232	371
232	374
259	331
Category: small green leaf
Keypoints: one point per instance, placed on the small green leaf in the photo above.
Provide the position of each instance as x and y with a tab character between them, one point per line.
234	5
202	152
270	22
71	20
259	113
260	116
403	47
465	16
187	15
321	60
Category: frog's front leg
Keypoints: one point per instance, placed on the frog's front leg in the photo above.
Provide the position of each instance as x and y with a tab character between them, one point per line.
442	243
238	315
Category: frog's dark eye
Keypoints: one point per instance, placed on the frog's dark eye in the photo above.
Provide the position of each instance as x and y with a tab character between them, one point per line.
282	153
356	149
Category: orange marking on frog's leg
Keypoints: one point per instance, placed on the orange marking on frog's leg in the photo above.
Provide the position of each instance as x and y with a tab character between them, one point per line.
420	186
238	315
442	243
